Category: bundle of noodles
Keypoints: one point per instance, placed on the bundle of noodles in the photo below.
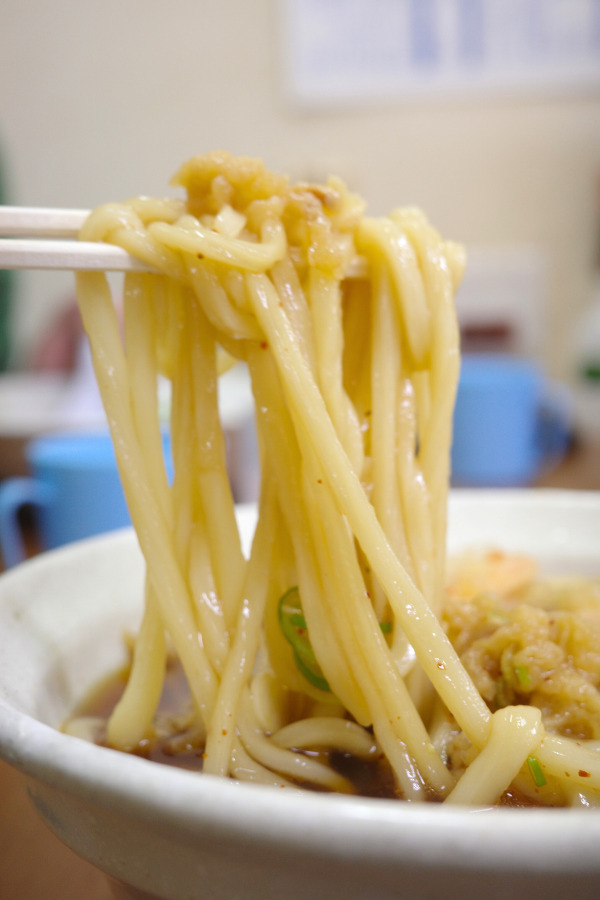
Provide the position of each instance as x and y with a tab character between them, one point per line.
327	639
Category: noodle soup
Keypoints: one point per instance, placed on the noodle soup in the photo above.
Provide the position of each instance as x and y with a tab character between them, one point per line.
329	640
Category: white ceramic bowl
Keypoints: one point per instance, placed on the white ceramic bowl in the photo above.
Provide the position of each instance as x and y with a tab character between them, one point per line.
176	834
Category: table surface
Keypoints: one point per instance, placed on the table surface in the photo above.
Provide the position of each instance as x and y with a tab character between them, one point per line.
35	864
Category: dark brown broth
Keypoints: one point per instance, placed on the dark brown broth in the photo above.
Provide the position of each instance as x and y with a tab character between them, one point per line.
370	778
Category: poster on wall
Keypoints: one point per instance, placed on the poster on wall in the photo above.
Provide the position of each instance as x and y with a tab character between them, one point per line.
349	51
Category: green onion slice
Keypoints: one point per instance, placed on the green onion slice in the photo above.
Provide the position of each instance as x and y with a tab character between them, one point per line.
536	771
293	626
523	676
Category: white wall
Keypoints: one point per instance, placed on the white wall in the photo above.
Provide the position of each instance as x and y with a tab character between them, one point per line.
104	101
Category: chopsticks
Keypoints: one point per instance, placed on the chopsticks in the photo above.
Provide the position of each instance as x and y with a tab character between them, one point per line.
37	238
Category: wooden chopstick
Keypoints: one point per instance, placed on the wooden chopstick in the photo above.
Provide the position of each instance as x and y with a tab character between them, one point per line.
33	221
38	238
28	253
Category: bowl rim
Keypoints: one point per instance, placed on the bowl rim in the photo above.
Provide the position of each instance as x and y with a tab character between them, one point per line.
383	832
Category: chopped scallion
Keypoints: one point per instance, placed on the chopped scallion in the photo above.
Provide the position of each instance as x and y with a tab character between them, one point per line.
293	626
523	676
536	771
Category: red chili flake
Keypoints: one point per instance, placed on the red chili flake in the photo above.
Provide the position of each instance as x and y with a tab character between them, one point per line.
200	255
263	345
224	732
583	773
319	481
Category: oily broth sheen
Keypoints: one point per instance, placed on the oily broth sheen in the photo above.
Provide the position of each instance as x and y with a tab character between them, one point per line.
370	778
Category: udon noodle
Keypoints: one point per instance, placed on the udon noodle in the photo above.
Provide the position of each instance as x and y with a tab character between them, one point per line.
329	637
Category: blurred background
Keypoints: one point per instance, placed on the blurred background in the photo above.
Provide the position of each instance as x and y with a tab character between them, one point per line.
485	113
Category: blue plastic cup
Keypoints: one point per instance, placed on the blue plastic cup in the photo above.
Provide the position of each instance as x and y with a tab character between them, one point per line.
510	422
74	488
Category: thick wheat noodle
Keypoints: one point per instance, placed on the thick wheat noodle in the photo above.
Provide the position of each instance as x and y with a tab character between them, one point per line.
515	734
245	768
143	690
326	309
203	242
211	468
286	281
385	437
271	756
385	239
153	532
209	613
142	693
238	668
139	324
328	732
